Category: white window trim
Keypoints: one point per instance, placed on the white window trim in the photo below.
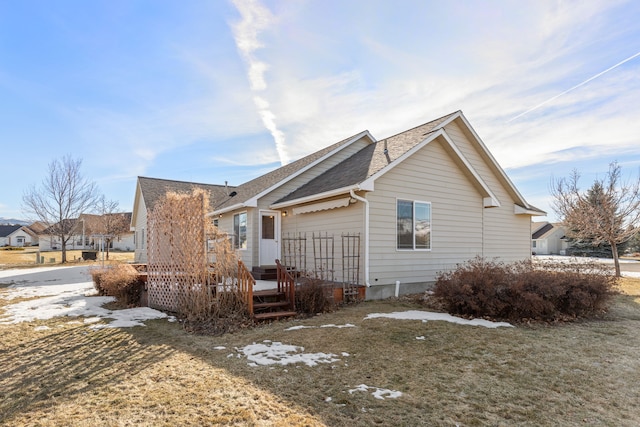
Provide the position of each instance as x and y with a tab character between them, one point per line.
233	231
413	228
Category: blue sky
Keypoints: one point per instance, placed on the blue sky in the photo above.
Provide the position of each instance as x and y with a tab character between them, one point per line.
214	91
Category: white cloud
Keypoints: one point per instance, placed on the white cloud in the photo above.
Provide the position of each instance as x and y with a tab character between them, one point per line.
256	19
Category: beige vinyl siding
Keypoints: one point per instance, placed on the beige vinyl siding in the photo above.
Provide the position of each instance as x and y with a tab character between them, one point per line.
140	254
333	222
506	235
430	175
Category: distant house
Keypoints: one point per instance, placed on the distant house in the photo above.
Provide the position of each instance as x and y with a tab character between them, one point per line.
24	236
420	201
85	234
548	239
6	232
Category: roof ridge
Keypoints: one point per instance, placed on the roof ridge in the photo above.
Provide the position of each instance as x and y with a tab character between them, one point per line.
186	182
420	125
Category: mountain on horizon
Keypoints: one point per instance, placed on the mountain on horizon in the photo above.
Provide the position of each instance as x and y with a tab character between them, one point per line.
13	221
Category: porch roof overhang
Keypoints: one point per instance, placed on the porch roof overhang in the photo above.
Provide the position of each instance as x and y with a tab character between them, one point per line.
317	197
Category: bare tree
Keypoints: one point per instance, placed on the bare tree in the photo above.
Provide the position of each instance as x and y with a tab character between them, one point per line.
112	224
609	212
62	197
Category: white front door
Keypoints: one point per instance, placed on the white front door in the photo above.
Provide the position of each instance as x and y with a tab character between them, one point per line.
269	237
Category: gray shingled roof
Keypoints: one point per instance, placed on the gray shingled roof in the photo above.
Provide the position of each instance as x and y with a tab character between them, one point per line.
5	230
367	161
154	188
256	186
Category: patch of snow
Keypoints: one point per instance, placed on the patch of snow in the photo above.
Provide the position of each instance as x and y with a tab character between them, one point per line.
345	354
378	393
330	325
420	338
328	399
273	353
219	347
295	328
41	328
427	316
63	291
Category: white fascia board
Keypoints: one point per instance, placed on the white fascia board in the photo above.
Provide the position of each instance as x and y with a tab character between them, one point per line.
315	197
228	209
254	200
519	210
493	160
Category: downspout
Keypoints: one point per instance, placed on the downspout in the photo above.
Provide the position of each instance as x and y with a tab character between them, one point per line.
366	235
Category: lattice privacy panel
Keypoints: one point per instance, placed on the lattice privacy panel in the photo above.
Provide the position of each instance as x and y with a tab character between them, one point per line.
177	249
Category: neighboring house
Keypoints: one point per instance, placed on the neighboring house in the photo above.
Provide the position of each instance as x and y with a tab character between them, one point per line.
85	235
548	239
6	231
23	236
422	201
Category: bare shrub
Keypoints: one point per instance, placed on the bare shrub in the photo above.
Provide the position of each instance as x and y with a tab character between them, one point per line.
314	296
525	290
120	281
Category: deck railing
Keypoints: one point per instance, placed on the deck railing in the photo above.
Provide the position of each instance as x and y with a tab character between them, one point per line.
246	282
286	285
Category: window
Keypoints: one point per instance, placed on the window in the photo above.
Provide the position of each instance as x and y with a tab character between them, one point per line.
268	227
240	230
413	225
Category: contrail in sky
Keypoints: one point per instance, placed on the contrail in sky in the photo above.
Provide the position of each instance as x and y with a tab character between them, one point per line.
256	18
574	87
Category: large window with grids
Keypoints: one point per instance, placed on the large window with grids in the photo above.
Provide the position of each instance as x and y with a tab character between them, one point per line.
413	222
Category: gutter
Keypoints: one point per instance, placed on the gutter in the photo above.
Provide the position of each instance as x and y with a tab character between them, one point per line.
366	236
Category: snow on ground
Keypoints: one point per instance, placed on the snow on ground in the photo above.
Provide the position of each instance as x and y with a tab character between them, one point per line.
427	315
276	353
586	260
64	291
378	393
330	325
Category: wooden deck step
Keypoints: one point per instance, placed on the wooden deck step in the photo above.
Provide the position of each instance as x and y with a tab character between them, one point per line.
274	315
259	305
267	293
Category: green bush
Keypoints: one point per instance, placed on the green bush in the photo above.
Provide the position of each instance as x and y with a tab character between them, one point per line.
525	290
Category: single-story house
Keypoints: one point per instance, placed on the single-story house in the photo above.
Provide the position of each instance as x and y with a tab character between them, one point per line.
23	236
548	239
421	201
6	232
86	235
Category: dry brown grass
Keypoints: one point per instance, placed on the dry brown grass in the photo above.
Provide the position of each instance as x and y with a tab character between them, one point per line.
582	373
27	257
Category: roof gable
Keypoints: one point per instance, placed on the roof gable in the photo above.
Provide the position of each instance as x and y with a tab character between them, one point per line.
248	193
362	169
